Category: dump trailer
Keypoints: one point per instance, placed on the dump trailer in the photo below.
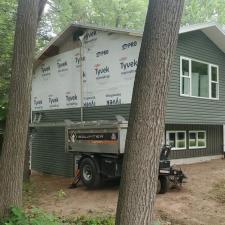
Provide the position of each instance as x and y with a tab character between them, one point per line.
98	147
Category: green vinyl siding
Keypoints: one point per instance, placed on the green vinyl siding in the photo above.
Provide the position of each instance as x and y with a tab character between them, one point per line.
191	110
214	140
48	154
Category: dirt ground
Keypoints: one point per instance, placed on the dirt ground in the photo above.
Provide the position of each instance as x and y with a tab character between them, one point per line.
201	201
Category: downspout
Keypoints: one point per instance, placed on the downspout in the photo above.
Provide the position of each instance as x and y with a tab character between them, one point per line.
81	80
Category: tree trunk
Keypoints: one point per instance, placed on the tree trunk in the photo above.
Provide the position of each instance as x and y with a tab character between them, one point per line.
14	144
147	114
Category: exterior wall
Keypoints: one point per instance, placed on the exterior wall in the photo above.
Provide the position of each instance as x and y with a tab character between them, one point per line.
48	143
214	141
189	110
48	154
69	44
92	113
180	109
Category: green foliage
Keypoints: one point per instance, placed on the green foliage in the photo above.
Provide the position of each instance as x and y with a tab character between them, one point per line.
116	13
3	99
34	217
60	195
200	11
125	13
107	220
7	27
38	217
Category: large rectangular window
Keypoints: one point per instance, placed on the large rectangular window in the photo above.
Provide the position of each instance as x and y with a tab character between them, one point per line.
199	79
197	139
176	139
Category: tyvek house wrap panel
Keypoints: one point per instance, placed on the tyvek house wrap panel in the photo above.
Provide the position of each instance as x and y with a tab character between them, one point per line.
107	65
54	85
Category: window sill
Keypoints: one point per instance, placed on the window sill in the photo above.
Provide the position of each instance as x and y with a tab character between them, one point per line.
182	95
193	148
177	149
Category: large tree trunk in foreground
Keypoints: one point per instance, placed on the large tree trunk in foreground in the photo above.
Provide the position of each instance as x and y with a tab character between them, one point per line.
147	114
14	144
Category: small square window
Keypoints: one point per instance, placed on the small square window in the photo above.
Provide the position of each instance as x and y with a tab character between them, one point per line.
176	139
197	139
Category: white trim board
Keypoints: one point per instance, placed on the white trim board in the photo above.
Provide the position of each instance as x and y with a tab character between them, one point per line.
194	160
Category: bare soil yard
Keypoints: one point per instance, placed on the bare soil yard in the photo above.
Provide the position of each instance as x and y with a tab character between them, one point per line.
200	202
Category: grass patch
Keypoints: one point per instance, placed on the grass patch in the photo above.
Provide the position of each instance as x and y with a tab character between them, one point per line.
33	217
218	192
38	217
30	197
101	220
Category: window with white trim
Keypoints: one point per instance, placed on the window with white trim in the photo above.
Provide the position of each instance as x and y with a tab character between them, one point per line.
197	139
199	79
176	139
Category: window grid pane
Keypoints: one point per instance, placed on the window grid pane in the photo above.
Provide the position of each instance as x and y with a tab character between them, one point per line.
180	140
214	90
192	139
214	73
197	139
185	85
172	139
200	79
185	67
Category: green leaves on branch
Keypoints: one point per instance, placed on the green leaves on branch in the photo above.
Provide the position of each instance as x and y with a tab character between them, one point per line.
4	84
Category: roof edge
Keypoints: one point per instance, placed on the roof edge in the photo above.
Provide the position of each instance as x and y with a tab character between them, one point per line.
184	29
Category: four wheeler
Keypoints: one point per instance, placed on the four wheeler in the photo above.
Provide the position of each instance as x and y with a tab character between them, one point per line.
90	171
169	176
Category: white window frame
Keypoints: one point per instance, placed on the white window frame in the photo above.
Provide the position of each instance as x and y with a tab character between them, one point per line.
196	131
210	65
215	82
176	131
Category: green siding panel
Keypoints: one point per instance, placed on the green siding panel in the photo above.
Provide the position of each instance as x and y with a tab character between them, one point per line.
48	154
214	138
189	110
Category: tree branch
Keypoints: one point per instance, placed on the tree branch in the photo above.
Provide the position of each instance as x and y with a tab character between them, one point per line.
41	7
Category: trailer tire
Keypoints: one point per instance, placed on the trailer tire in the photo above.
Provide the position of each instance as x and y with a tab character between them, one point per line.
89	172
164	184
158	187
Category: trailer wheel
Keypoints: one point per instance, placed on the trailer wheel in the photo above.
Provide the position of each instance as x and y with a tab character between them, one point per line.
89	173
164	184
158	187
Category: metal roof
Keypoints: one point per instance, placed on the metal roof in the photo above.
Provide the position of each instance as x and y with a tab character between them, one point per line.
212	30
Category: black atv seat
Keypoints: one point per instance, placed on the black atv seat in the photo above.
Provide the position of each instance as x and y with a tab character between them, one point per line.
166	149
